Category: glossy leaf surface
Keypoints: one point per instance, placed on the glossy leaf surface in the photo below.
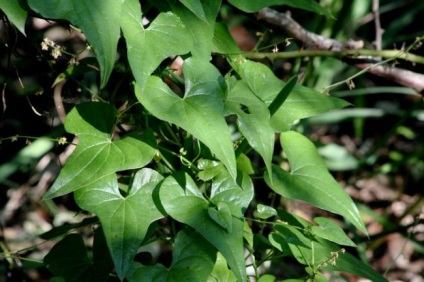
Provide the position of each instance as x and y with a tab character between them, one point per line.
97	154
183	192
310	181
200	111
165	36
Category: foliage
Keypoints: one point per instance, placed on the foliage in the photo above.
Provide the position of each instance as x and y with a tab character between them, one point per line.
178	164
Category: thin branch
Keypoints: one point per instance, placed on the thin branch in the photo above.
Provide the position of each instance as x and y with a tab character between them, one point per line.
326	47
378	30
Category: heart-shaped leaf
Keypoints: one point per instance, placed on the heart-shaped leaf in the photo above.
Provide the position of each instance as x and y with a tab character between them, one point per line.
310	181
96	18
221	214
199	19
221	272
301	103
125	220
200	112
97	154
176	194
165	36
265	212
193	260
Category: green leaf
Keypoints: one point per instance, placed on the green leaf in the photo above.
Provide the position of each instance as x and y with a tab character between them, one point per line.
237	193
75	265
310	181
221	214
184	193
308	251
193	260
282	96
255	5
165	36
328	230
200	111
15	12
253	122
301	103
200	25
96	18
125	220
97	154
265	212
223	42
221	272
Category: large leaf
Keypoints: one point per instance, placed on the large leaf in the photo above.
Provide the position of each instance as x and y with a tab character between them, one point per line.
253	120
193	260
97	154
199	19
310	181
125	220
196	213
96	18
255	5
301	103
147	48
200	111
15	12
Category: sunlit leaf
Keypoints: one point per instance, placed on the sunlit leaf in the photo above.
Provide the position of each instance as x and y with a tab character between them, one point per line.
310	181
199	112
301	103
97	154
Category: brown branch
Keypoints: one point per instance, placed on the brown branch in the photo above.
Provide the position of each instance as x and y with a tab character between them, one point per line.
318	42
310	39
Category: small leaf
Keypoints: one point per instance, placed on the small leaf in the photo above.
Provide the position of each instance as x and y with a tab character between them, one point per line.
96	18
255	5
96	154
221	215
328	230
195	214
125	220
265	212
165	36
200	112
310	181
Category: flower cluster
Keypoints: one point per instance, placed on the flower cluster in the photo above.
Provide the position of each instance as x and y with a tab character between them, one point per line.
56	50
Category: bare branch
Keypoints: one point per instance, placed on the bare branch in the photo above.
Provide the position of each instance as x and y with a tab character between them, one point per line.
319	42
